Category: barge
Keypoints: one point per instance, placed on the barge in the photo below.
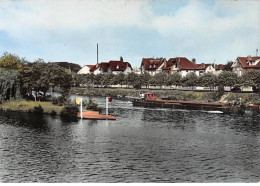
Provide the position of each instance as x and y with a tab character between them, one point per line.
151	100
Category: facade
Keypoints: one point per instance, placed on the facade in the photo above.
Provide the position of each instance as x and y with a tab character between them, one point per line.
152	66
181	65
115	67
211	68
245	64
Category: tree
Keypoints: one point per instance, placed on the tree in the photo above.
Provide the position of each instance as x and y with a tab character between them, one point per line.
131	79
228	66
251	78
190	80
228	78
72	66
207	80
144	79
119	79
13	62
174	79
98	79
160	79
9	85
41	77
108	79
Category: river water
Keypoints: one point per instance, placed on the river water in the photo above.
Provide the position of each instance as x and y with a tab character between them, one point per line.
142	145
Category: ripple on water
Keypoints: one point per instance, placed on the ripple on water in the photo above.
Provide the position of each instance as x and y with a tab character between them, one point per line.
142	145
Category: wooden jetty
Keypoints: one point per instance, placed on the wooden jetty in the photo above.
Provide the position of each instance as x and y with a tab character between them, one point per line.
95	115
151	100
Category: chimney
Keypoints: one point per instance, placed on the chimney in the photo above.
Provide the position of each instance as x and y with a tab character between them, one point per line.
193	60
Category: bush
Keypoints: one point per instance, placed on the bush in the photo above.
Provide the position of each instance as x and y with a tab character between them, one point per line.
58	101
70	112
38	109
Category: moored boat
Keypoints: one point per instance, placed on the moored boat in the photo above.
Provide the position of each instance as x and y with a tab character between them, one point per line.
152	100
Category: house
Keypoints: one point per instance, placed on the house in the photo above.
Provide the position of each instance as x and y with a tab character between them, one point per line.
152	65
245	64
114	67
211	68
85	69
181	65
219	68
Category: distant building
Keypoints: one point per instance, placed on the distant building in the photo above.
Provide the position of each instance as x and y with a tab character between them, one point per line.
152	65
114	67
181	65
211	68
245	64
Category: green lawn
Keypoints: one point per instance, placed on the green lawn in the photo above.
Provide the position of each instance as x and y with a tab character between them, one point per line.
26	106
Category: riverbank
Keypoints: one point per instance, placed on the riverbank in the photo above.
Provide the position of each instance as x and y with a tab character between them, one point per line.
31	106
246	98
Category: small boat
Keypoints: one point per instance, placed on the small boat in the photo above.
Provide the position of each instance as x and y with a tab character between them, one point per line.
151	100
95	115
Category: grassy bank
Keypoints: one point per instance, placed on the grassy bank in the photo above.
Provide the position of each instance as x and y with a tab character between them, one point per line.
246	98
31	106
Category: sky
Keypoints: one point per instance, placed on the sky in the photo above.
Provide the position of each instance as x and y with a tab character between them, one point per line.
65	30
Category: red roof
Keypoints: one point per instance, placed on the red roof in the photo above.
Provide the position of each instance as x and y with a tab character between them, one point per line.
152	63
184	63
118	65
246	60
203	66
94	67
220	67
90	66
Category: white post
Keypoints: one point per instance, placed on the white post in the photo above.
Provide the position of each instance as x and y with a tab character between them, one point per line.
81	108
106	105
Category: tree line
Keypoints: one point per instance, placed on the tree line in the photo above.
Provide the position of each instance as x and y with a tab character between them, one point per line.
20	78
225	78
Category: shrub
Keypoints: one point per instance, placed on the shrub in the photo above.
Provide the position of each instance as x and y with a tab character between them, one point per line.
70	112
58	101
38	109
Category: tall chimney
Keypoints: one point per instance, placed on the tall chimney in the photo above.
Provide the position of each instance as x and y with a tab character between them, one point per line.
97	53
193	60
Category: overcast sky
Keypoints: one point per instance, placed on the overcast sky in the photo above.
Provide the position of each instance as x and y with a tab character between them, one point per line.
66	30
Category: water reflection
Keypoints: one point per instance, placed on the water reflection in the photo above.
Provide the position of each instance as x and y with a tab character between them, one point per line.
142	145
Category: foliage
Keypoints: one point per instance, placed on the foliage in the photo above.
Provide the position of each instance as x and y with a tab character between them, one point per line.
70	112
228	66
144	79
228	78
9	85
160	79
207	80
41	77
251	78
190	80
71	66
12	62
174	79
132	79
